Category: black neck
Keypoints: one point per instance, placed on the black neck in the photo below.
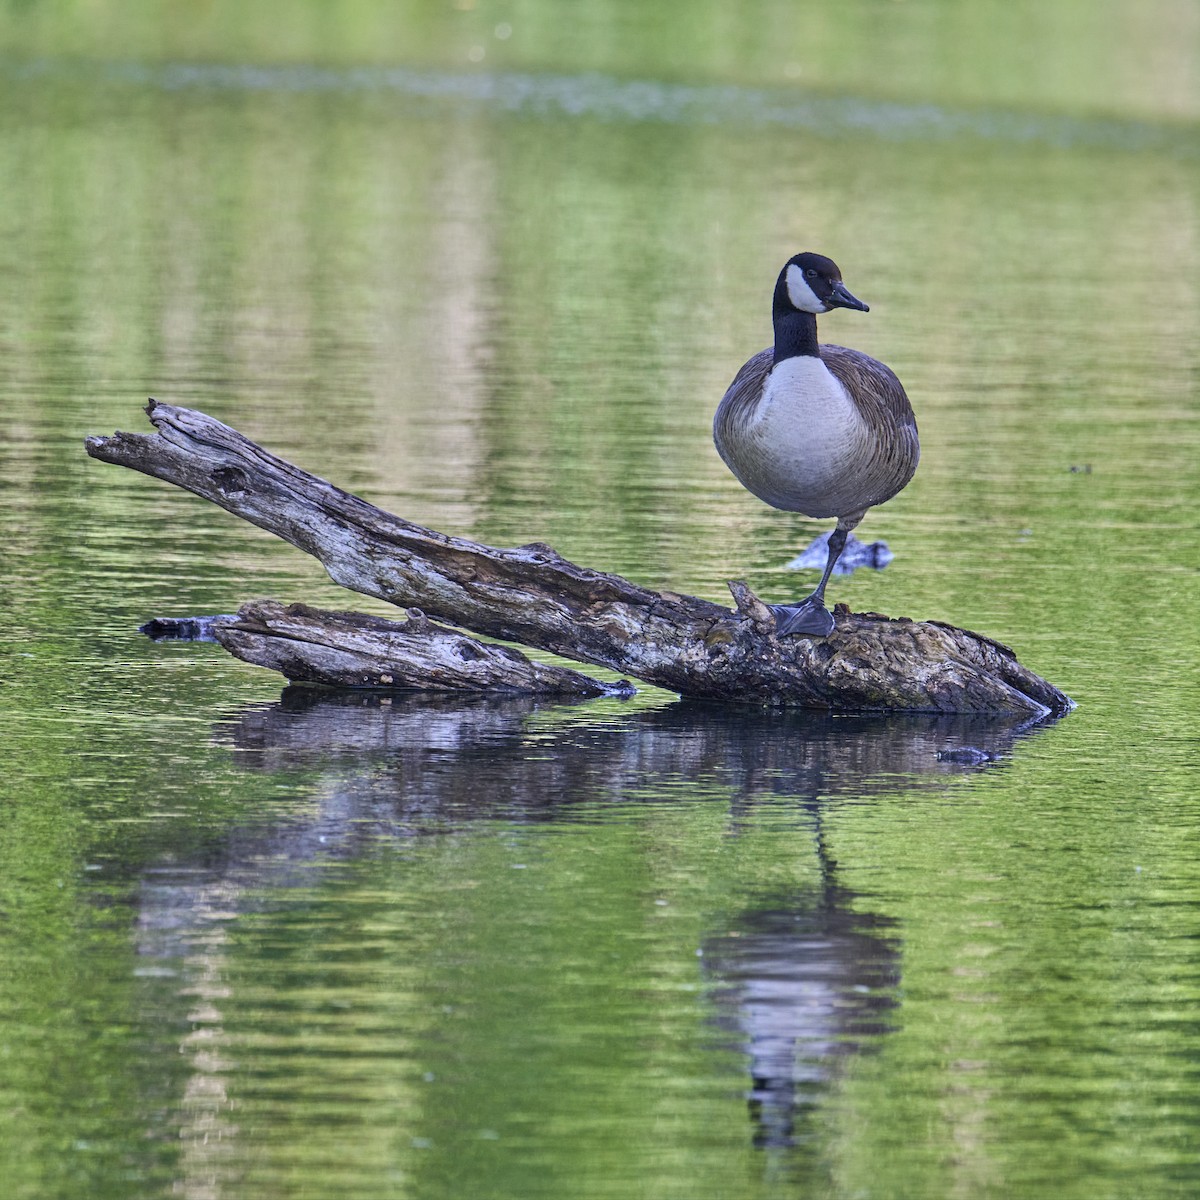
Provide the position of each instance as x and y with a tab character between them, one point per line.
795	333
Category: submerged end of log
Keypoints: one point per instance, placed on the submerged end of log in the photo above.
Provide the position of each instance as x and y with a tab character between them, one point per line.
354	650
959	670
871	662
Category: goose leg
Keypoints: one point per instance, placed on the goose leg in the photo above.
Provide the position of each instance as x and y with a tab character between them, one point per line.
810	614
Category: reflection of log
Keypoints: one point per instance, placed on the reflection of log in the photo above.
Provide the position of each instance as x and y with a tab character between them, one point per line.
534	596
384	746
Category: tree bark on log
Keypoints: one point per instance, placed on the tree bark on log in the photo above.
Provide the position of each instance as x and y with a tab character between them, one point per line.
534	596
348	649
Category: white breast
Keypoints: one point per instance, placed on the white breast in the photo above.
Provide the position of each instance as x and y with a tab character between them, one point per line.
800	446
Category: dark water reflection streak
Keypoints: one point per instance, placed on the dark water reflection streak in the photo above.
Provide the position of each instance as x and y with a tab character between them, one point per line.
784	752
802	981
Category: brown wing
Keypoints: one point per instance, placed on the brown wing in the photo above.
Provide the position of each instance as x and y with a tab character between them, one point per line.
739	400
884	403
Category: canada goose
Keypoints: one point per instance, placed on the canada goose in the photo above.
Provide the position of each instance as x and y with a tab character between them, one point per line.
819	430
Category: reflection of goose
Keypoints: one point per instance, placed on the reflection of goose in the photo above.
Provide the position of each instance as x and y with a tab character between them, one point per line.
819	430
804	983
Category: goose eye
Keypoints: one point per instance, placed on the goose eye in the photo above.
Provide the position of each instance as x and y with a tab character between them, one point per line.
811	273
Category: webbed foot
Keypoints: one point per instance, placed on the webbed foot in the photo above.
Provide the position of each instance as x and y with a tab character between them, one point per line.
806	616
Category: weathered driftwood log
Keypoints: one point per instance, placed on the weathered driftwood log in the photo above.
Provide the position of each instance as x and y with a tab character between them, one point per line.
533	596
347	649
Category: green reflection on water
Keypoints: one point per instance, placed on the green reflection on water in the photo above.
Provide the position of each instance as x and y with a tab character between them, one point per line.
1091	56
254	950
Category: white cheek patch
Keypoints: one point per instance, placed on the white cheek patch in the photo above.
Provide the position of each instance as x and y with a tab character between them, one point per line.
800	294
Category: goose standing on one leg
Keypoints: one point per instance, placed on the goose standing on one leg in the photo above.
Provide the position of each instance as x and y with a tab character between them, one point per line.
819	430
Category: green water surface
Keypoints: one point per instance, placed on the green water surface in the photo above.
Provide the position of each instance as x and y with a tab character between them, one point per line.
491	265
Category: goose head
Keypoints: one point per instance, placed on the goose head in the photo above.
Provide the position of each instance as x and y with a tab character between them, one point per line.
812	283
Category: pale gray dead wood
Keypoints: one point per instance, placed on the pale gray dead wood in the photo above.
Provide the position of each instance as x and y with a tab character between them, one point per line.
348	649
533	596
